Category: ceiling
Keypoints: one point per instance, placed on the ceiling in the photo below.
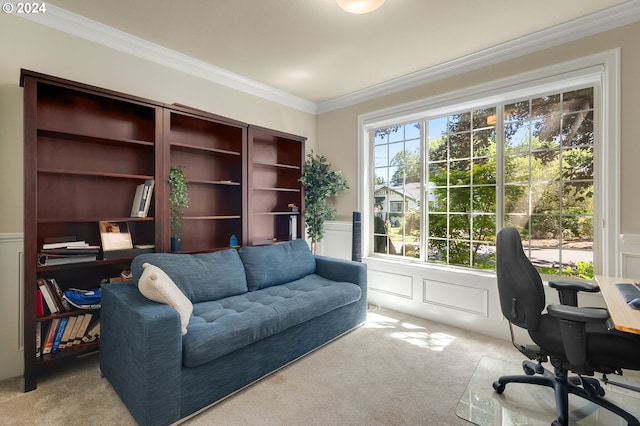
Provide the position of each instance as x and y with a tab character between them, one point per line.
313	50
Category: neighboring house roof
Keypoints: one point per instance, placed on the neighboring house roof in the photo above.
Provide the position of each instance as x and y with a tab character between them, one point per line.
409	190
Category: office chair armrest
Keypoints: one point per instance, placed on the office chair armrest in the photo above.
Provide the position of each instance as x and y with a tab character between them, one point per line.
577	314
573	323
568	290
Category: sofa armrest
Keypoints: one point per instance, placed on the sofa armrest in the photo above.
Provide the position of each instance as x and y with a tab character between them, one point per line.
336	269
141	353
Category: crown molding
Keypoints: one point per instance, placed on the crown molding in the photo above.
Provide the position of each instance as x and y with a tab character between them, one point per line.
79	26
71	23
613	17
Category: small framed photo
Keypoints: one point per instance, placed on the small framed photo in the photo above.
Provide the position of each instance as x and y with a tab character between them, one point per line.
115	236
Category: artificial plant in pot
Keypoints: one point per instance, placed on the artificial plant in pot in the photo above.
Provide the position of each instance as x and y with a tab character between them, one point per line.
178	202
320	183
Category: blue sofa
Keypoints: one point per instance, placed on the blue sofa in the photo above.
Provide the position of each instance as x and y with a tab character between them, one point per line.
254	311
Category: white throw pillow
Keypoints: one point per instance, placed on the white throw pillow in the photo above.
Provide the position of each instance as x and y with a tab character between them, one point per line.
156	285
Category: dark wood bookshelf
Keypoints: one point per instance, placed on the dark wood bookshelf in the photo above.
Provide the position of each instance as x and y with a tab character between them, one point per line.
86	150
212	151
275	164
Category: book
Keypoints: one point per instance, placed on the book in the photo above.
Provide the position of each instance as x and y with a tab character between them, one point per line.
74	331
51	334
61	259
62	242
82	329
63	304
93	333
39	303
38	338
67	332
62	324
137	199
72	251
46	295
115	236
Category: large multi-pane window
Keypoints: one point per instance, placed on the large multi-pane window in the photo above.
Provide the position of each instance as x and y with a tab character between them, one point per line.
444	185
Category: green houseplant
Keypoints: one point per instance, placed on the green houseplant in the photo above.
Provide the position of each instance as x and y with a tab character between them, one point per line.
178	202
320	183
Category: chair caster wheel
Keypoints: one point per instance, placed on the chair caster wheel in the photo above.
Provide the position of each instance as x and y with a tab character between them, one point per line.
498	387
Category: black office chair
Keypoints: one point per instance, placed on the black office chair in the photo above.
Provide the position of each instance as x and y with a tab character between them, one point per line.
580	340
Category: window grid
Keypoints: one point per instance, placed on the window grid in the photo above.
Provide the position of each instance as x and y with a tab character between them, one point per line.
539	151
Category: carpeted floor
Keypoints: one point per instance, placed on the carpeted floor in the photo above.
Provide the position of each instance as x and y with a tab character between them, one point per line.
395	370
530	405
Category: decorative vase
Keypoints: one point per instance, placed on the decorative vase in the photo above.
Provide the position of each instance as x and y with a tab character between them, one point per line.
176	244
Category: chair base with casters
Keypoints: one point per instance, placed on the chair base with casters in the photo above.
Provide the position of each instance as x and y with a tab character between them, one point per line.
585	387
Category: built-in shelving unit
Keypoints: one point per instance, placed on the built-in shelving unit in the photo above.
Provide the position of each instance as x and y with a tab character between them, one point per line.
85	151
212	151
276	162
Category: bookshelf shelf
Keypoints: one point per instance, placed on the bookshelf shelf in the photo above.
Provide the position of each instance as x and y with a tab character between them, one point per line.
277	189
187	147
79	137
51	360
276	165
97	219
94	174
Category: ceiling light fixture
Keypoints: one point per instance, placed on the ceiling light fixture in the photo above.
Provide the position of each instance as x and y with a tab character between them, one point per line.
360	6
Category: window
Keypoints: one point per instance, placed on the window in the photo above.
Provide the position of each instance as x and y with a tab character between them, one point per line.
445	183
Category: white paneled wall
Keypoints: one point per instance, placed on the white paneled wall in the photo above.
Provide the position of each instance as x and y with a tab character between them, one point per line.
11	349
461	298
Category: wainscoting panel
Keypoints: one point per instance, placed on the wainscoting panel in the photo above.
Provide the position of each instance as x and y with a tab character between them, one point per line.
391	283
631	265
337	240
455	296
11	350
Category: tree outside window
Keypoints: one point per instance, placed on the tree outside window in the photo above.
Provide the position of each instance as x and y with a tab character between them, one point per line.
545	147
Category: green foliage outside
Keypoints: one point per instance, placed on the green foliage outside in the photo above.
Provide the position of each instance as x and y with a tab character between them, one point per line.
548	193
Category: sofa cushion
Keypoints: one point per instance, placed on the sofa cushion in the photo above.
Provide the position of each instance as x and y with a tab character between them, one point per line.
201	277
155	285
267	266
223	326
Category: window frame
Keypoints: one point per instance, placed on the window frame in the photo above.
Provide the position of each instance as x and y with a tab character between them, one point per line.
602	71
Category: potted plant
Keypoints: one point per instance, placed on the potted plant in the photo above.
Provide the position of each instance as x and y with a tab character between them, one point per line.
178	202
320	183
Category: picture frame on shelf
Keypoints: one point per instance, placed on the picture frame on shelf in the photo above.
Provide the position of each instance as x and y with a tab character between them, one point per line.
115	236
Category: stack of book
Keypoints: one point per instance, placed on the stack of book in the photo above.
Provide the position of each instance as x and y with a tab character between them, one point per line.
67	332
142	199
62	250
50	298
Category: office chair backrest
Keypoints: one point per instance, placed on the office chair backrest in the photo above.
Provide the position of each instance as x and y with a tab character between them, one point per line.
519	284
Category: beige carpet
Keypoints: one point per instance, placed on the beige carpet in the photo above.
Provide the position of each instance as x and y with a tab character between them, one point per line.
531	405
395	370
